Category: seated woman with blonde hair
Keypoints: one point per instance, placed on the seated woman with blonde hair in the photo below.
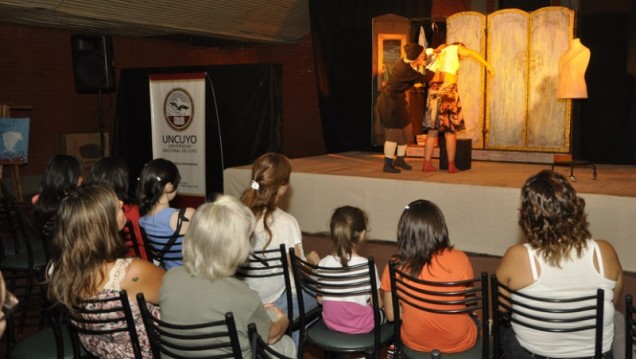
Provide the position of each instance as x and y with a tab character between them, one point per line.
204	289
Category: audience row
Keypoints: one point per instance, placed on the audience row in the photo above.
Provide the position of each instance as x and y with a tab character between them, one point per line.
81	226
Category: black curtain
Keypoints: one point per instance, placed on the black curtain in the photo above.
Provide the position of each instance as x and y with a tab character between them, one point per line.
243	101
608	115
341	35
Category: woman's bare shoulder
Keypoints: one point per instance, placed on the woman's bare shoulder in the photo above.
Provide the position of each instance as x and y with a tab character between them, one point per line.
189	212
610	259
139	267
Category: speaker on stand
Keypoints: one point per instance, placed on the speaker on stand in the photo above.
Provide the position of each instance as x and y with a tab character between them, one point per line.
93	70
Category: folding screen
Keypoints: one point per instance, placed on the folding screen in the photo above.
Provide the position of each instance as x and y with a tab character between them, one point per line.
522	111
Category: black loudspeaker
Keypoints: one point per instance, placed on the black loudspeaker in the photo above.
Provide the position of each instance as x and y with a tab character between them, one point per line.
463	156
93	63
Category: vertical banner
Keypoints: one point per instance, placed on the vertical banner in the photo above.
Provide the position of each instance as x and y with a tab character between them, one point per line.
177	106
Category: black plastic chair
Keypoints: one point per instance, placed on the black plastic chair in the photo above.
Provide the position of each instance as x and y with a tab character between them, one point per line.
260	348
92	315
630	323
338	282
22	260
49	343
156	251
274	263
194	339
462	297
130	238
583	313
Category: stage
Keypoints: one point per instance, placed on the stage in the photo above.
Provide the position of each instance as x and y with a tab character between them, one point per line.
480	204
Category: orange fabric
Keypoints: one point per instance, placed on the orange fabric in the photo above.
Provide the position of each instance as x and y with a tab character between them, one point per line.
423	331
132	214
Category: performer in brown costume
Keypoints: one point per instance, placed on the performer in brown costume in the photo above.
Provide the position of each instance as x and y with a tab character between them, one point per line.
392	107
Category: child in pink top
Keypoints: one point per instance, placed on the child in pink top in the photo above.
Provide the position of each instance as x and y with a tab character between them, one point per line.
353	314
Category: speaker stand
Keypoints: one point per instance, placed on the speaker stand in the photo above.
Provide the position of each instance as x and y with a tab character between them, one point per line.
102	145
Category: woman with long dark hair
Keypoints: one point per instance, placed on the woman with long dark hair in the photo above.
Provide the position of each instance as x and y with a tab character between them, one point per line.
63	174
425	252
158	183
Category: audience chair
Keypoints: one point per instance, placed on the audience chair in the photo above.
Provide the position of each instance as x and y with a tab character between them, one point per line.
155	248
53	342
338	282
129	237
260	348
22	259
630	330
584	313
465	297
274	263
165	338
92	315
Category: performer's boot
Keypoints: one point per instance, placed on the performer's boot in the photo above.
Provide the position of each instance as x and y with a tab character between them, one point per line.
399	162
452	168
428	166
388	166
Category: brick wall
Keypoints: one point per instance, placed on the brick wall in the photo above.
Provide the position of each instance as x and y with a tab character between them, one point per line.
36	70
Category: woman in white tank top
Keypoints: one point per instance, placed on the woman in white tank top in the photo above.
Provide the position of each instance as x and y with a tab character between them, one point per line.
560	260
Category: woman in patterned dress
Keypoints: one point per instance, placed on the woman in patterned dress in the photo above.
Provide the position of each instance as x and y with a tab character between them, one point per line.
89	261
443	107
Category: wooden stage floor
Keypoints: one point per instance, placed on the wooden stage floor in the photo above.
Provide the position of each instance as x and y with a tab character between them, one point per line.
616	180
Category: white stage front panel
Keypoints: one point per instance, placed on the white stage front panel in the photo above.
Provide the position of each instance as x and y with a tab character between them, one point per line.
480	219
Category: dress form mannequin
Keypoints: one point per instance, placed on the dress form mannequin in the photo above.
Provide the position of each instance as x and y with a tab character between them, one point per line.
572	66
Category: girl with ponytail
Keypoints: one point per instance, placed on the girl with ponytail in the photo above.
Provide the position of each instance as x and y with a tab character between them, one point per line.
354	314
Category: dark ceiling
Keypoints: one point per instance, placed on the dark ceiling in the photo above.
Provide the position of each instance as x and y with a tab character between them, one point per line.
204	22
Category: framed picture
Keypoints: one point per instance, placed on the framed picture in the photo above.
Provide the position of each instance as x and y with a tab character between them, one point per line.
14	140
85	146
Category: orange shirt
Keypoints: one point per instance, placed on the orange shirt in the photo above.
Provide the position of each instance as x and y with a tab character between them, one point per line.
424	331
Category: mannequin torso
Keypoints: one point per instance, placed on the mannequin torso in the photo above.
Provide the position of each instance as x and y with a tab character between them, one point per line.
572	66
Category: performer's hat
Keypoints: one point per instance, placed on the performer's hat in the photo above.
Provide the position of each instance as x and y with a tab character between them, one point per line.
413	50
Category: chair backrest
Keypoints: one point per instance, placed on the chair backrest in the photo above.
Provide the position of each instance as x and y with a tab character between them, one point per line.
103	316
165	338
461	297
547	314
260	348
12	221
130	238
630	322
53	342
322	281
156	251
270	263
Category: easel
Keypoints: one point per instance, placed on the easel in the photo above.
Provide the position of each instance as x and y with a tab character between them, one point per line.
14	167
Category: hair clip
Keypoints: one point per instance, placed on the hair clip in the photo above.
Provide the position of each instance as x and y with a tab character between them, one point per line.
255	185
158	178
406	207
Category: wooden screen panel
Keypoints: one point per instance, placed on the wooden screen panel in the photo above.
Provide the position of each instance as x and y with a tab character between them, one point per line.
506	107
469	28
548	127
